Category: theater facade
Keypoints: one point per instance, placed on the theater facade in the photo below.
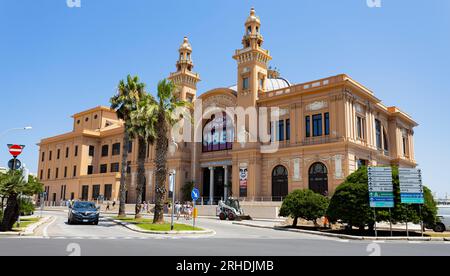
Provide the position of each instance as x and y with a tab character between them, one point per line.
326	129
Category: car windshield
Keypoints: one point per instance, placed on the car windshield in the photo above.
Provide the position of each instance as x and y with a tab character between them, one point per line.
444	211
84	205
233	203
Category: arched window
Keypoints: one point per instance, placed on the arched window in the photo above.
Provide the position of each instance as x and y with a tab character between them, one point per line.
218	134
318	178
280	183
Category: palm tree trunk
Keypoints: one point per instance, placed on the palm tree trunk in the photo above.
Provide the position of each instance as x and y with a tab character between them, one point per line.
11	214
123	175
141	176
162	144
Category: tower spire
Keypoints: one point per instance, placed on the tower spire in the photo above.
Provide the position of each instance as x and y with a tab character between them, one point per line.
184	78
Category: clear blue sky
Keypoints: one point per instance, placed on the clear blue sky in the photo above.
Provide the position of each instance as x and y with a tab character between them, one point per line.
56	61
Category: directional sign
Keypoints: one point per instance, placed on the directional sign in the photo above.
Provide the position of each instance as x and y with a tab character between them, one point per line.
411	188
381	189
14	164
195	194
15	150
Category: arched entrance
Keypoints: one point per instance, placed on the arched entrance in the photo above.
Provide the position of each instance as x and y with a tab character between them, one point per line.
280	183
318	178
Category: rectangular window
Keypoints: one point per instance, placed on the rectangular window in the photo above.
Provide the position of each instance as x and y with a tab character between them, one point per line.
95	192
360	128
327	123
105	150
76	151
114	167
378	133
65	172
103	168
43	157
288	129
405	146
90	170
91	151
42	174
245	83
308	126
50	156
74	171
67	152
108	192
261	84
130	147
116	149
317	125
58	154
281	130
48	174
362	163
57	173
85	193
128	167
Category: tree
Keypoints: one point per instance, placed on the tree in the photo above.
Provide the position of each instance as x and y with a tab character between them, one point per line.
186	191
12	184
304	204
143	121
165	118
350	204
124	102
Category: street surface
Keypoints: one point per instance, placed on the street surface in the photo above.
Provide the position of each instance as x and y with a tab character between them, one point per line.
58	238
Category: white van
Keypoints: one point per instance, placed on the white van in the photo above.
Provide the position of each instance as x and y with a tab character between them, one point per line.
444	218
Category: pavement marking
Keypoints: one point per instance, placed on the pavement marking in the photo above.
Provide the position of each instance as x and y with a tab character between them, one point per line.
340	240
415	242
45	231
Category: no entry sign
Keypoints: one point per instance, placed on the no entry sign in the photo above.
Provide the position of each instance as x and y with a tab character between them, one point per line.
15	150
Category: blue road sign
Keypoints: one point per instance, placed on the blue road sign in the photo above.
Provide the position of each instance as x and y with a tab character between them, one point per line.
195	194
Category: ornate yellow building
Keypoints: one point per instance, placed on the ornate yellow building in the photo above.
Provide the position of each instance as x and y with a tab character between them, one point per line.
326	129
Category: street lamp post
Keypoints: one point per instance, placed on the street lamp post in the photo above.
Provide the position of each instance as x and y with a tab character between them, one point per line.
14	129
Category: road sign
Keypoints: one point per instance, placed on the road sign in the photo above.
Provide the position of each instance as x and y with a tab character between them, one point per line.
15	150
14	164
411	187
195	194
381	189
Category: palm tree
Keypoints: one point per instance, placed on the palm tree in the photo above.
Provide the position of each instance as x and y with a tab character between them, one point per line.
124	102
143	122
165	119
12	185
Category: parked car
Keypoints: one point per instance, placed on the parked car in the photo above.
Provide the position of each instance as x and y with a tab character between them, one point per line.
83	212
444	219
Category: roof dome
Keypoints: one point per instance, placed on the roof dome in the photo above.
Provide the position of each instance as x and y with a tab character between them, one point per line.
253	17
271	84
186	45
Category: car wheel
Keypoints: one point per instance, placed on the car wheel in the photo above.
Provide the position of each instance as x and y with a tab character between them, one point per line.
69	222
96	222
222	216
231	216
439	228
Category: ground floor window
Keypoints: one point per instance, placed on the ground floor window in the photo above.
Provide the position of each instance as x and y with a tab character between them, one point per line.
85	193
108	191
318	178
280	183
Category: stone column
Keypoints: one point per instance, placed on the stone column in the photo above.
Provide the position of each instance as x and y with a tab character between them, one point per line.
211	185
225	183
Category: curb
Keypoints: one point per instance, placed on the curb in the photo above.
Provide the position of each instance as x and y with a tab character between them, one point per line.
343	236
134	228
29	231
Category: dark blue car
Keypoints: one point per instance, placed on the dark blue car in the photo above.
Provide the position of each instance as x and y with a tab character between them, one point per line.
84	212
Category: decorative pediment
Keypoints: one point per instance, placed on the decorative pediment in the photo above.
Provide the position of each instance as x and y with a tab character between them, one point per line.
318	105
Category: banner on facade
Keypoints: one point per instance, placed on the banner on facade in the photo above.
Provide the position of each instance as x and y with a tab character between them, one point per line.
243	182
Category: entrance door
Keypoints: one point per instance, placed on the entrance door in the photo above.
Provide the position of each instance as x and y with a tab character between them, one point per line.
318	178
280	183
85	193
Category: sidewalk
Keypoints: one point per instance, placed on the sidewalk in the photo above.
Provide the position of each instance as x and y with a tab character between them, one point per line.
29	230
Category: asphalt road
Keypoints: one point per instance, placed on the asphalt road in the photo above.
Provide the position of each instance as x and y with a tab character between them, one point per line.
108	239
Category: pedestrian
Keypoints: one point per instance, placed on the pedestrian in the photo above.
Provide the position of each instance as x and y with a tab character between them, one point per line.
178	210
107	206
145	206
114	204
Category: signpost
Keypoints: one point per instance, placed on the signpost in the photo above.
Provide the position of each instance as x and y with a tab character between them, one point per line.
195	194
411	189
172	188
381	189
14	164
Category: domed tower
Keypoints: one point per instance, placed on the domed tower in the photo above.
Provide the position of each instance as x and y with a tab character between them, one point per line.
185	79
252	62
